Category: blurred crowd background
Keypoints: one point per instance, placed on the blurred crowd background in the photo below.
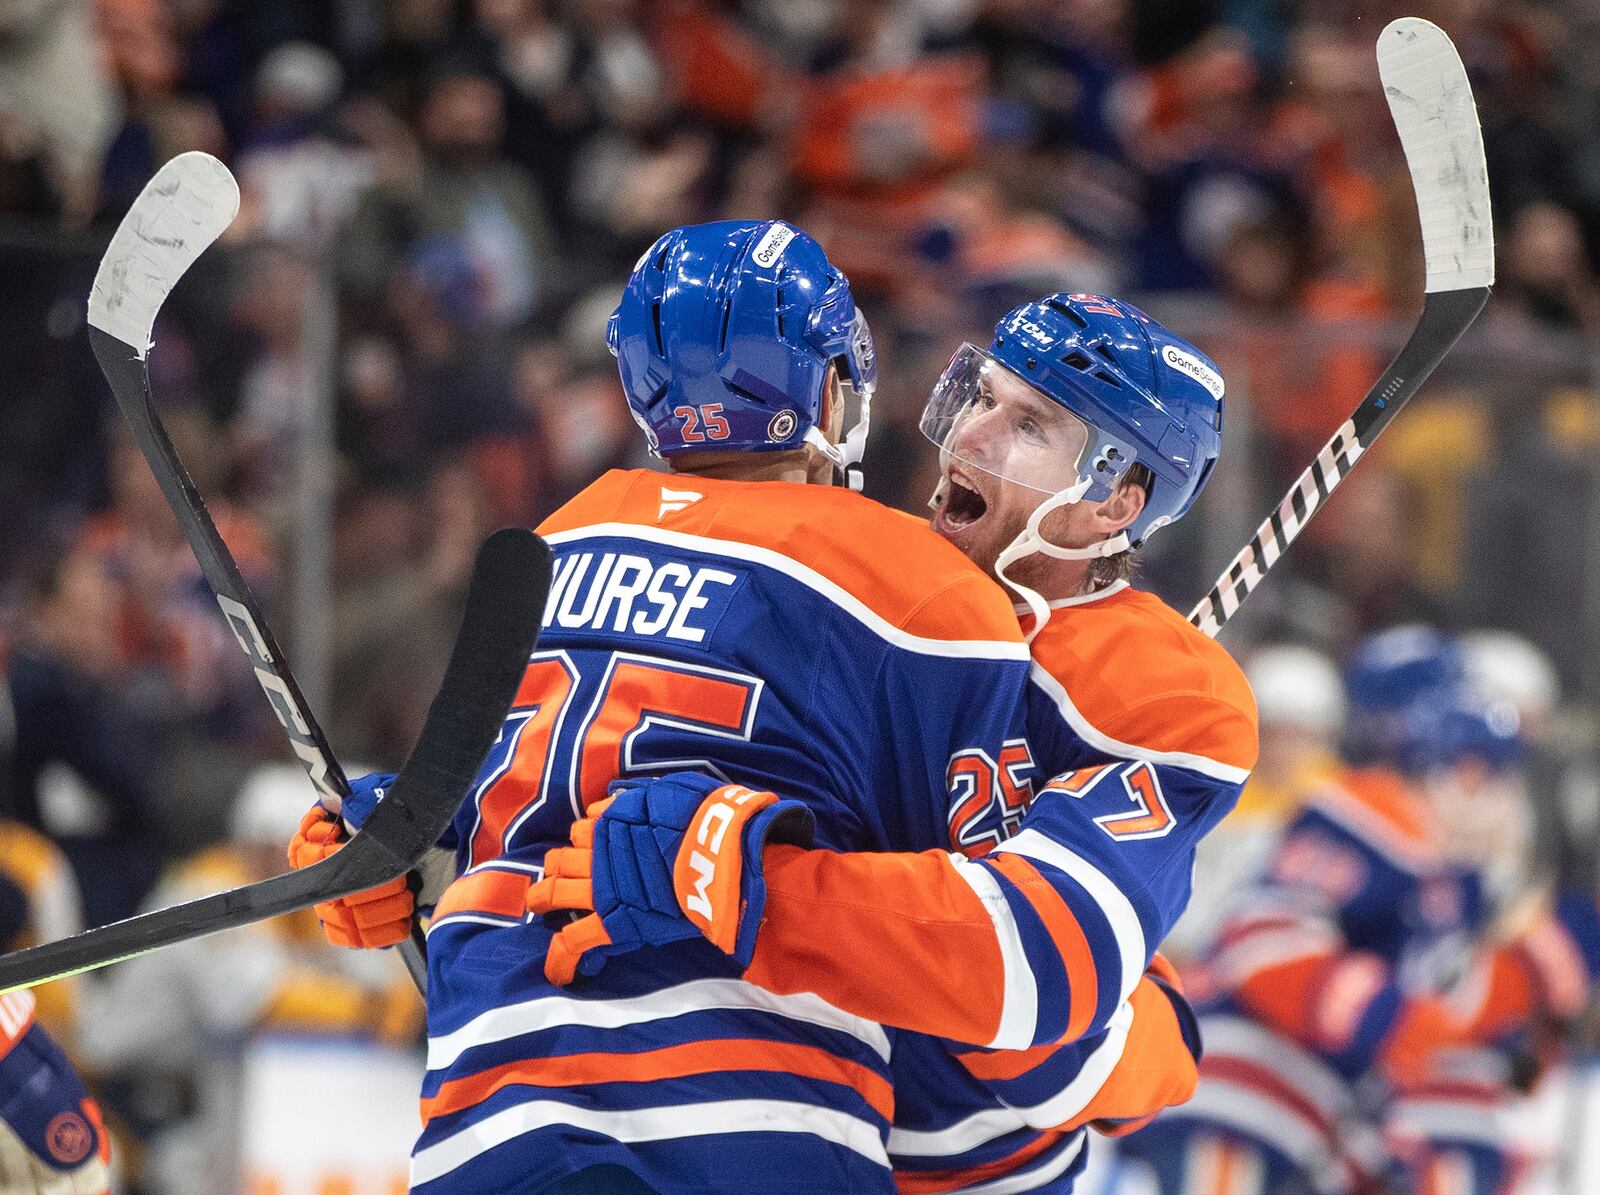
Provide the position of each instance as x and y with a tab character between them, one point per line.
400	346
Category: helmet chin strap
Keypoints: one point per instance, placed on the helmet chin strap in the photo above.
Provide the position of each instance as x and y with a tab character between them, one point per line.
846	455
1030	541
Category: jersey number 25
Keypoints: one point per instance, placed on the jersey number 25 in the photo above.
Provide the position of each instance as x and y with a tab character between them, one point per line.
635	694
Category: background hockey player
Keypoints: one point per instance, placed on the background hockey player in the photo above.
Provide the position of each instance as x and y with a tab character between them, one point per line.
52	1139
1330	978
1300	699
1082	428
196	1023
1463	1124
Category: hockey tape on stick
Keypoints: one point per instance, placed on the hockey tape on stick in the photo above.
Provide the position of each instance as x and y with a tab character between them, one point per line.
499	629
1430	100
187	205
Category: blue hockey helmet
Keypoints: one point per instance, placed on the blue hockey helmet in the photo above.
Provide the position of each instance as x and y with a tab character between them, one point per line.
1143	395
1388	674
1440	730
724	338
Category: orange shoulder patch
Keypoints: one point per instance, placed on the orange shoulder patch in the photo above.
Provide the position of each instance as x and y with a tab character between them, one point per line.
1133	677
1377	803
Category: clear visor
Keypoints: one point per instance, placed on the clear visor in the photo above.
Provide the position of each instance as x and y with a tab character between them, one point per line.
986	417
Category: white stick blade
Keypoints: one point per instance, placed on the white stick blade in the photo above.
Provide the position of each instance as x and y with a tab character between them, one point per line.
180	212
1434	114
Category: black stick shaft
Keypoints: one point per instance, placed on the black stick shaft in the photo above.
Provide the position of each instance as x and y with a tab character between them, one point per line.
1446	315
130	382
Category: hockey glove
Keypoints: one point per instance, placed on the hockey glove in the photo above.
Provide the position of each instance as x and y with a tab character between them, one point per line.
365	793
377	917
1160	1063
662	860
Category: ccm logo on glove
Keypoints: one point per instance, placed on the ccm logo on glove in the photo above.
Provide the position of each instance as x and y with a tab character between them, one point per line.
707	874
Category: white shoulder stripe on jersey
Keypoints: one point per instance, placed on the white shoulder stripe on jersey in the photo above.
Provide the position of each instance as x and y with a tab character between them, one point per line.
548	1012
1115	907
1034	1177
1235	963
1019	1007
1052	688
981	649
992	1123
713	1118
1454	1120
1262	1117
1235	1037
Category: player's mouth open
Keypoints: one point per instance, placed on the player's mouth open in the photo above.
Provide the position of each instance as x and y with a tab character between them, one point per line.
963	505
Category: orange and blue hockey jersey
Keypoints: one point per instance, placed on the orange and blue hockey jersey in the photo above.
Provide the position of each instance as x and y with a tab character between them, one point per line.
1013	952
1460	1125
789	637
1330	971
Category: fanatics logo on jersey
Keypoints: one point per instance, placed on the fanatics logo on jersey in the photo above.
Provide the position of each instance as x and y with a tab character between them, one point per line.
672	501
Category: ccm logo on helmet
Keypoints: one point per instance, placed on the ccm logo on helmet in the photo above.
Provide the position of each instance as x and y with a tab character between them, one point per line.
1195	368
772	245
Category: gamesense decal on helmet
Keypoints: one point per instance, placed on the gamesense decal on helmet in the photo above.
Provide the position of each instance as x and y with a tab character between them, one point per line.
725	336
772	245
1187	363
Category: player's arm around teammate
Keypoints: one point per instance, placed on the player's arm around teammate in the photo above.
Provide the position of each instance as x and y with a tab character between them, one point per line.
1044	938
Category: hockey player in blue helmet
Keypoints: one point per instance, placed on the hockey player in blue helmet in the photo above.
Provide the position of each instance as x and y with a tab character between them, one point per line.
903	654
742	337
1083	428
743	613
1463	753
1386	678
1020	922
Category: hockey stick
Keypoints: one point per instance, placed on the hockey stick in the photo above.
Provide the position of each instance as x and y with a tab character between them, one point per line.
182	210
510	582
1437	121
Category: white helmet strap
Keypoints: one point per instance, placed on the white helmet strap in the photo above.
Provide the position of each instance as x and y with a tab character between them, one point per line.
846	455
1030	541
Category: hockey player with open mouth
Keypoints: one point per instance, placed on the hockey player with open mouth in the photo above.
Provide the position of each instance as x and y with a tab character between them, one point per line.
1012	950
799	638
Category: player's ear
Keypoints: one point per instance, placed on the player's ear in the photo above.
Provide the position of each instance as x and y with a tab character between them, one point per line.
832	413
1122	508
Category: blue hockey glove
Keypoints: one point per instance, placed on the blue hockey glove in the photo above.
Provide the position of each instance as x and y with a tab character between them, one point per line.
662	860
365	793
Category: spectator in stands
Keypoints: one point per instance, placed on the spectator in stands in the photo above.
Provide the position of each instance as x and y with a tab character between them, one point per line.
87	760
455	186
58	111
167	635
301	172
1547	273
